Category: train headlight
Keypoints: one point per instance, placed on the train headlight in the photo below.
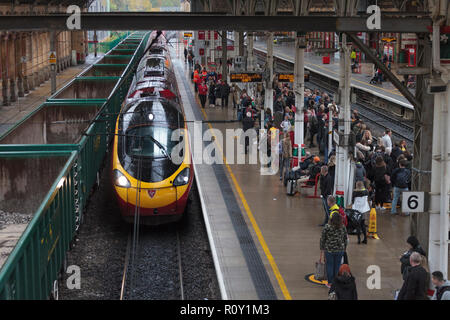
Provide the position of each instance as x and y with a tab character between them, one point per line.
182	178
120	180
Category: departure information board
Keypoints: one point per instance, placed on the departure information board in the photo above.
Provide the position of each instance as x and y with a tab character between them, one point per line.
246	77
285	77
289	77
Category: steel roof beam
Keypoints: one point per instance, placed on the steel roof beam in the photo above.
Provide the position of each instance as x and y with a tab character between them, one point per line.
175	21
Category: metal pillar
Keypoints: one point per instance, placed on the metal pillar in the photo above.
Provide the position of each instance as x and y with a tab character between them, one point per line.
299	89
423	141
268	99
343	161
440	171
52	66
241	44
250	56
4	64
236	44
212	46
19	64
95	43
224	55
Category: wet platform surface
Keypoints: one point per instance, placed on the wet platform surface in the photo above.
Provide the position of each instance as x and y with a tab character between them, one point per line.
285	229
361	80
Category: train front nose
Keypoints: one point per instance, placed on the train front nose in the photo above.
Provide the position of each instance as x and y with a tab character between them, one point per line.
161	201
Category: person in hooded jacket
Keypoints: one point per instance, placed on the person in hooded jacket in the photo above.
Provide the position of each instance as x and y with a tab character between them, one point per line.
344	285
414	246
442	286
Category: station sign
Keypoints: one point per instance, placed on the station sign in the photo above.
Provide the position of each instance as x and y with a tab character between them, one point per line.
188	34
52	57
246	77
413	201
201	35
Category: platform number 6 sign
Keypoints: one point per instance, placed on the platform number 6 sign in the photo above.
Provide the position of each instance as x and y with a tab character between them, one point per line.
413	201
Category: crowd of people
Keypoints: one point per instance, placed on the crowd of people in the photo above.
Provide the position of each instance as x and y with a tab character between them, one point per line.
382	173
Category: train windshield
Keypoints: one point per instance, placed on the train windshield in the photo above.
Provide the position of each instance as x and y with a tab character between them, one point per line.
145	143
149	141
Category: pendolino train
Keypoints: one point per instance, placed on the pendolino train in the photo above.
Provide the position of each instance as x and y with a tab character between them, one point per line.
150	184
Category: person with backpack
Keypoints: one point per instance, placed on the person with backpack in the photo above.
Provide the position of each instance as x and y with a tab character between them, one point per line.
400	179
442	286
333	242
414	246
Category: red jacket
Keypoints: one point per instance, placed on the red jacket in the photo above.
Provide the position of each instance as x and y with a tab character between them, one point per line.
202	89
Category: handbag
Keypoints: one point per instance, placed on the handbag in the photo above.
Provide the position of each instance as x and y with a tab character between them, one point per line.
321	271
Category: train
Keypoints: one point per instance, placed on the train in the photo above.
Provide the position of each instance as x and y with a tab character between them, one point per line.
152	187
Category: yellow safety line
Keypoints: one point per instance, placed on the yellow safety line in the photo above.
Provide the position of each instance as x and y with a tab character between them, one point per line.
255	226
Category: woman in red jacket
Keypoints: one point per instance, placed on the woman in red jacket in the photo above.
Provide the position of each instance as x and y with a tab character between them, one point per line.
202	92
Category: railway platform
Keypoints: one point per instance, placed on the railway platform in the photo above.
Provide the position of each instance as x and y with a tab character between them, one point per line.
14	113
360	80
283	246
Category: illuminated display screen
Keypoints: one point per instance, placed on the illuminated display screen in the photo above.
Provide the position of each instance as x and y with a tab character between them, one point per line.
286	77
289	77
246	77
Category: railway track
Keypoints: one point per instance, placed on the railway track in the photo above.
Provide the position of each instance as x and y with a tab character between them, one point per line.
378	119
153	266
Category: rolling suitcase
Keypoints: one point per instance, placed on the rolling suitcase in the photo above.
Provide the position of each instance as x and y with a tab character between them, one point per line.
291	187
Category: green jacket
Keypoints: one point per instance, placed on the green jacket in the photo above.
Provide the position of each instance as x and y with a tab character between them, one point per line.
332	239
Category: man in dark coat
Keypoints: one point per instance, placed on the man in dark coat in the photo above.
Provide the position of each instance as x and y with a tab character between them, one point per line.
416	283
326	189
225	93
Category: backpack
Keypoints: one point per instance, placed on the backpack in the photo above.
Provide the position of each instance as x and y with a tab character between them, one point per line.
403	178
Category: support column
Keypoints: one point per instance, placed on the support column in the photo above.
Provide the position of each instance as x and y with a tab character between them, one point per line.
241	44
250	55
343	161
35	50
224	56
13	69
440	171
268	99
45	53
236	44
4	62
423	141
212	46
299	89
18	61
53	67
25	64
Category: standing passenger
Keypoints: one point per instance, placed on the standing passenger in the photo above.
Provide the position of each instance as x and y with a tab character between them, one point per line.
332	244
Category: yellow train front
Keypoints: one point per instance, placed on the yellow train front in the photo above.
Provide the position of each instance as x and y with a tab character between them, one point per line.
151	162
151	170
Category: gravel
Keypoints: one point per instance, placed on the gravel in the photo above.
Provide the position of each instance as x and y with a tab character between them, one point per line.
14	218
100	250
